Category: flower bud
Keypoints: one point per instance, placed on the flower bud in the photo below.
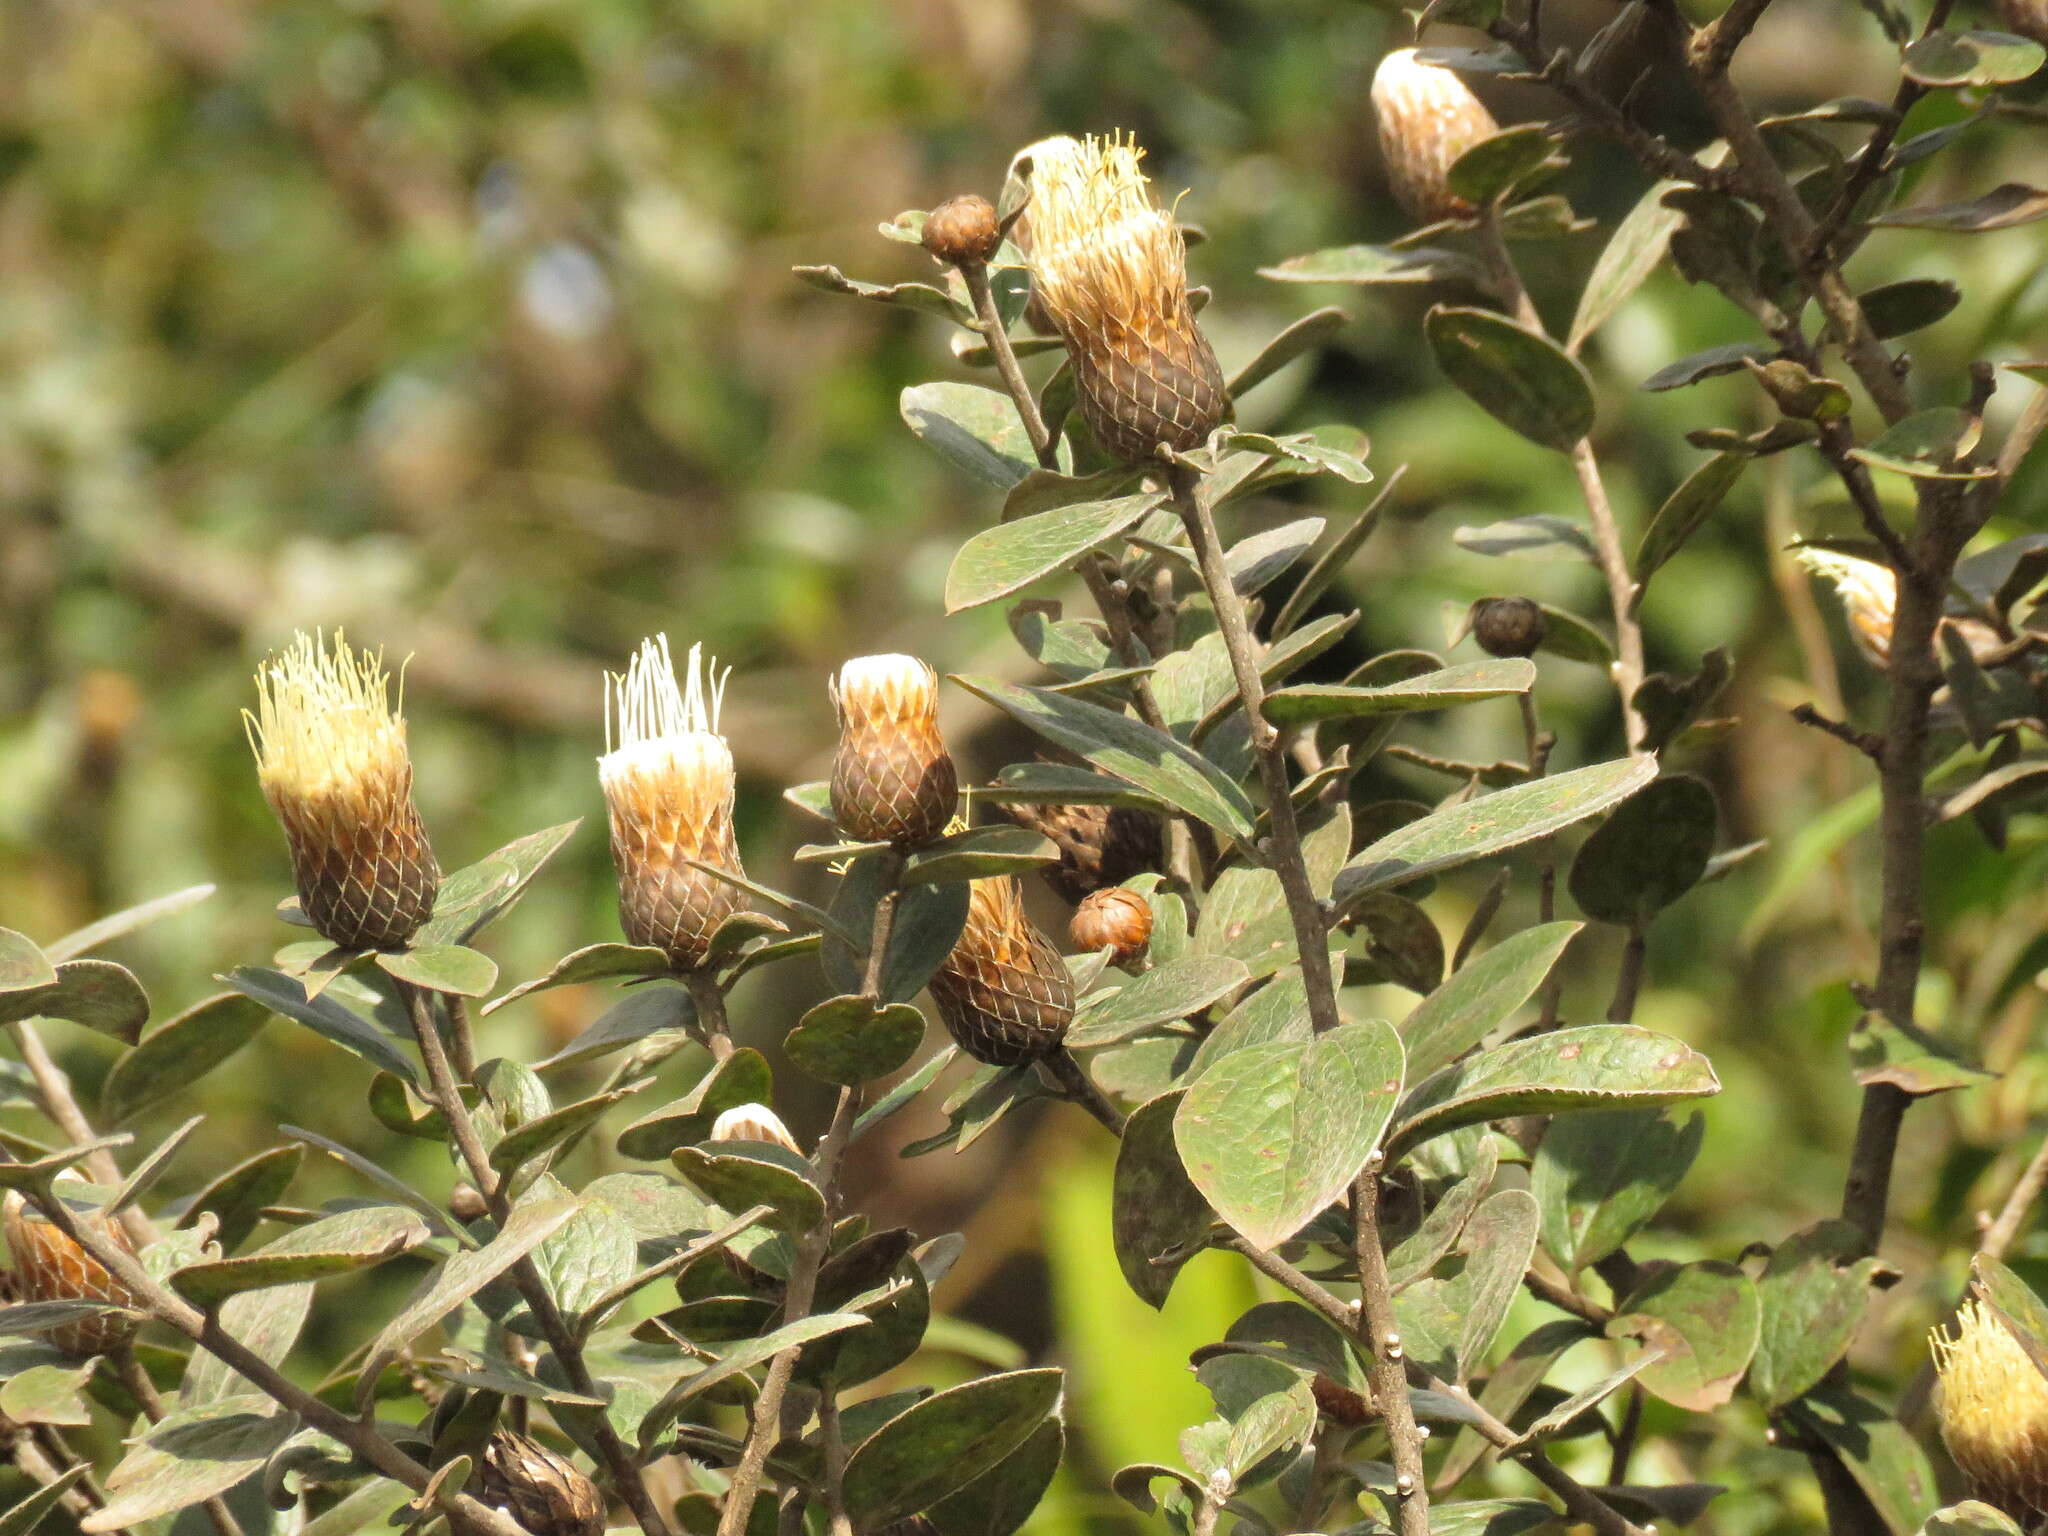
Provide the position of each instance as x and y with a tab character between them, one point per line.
49	1266
331	757
892	781
963	229
1869	593
1110	268
1114	919
1003	993
1428	117
544	1492
668	787
1992	1403
754	1122
1100	845
1509	626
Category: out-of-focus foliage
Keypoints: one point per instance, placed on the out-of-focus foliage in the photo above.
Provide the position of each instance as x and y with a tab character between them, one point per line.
469	328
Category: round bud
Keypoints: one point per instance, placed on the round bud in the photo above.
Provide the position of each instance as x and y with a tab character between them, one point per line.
1114	919
963	229
465	1204
1508	626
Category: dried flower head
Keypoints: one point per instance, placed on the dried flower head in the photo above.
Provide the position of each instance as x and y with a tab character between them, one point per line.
1110	267
962	229
546	1493
892	781
331	756
668	786
753	1122
49	1266
1427	118
1003	993
1114	919
1993	1406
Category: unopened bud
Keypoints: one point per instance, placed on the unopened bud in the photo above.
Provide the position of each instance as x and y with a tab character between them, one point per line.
1114	919
1110	268
1100	845
49	1266
892	781
544	1492
1003	993
753	1122
669	789
465	1204
331	757
1427	117
1869	593
1338	1403
963	229
1992	1402
1509	626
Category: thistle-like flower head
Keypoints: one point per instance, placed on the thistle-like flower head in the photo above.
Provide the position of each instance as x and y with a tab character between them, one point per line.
1427	118
1110	267
892	780
1869	593
1003	993
1993	1405
331	757
668	783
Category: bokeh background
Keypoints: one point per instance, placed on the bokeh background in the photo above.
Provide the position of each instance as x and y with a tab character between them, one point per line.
468	326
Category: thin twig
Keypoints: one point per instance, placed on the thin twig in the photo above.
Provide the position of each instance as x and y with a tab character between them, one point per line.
53	1087
975	275
1379	1332
1629	979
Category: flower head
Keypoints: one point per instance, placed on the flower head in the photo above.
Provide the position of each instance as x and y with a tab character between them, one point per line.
1003	993
1869	593
1427	118
753	1122
331	757
668	786
892	780
1110	268
50	1266
1993	1407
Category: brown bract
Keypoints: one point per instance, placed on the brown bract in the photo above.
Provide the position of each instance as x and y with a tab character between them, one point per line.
544	1492
1003	993
1114	919
49	1266
1110	268
963	228
331	757
1993	1406
1427	118
892	780
754	1122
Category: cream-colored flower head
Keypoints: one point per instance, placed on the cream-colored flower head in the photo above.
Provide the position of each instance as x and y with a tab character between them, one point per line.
1110	268
1992	1402
668	785
1869	593
753	1122
1427	118
892	780
331	757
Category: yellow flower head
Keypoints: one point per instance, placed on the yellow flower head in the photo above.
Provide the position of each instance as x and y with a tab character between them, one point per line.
1993	1406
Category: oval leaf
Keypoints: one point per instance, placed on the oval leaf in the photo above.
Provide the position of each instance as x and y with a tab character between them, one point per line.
1522	380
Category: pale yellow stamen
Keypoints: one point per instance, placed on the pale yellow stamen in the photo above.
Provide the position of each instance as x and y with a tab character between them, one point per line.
1102	249
324	723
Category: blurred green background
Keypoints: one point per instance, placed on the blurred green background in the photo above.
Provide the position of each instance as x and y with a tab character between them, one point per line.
467	325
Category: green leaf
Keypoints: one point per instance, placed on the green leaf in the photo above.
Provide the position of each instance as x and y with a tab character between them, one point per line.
927	926
921	297
753	1173
1276	1012
1494	165
1599	1178
1450	1324
193	1454
1163	995
1523	380
267	1321
1298	340
96	993
1912	304
1403	944
1972	1517
640	1015
1272	1134
442	968
1377	264
850	1040
744	1356
334	1245
1061	784
119	924
2003	207
742	1078
1705	1320
1948	58
1685	512
1883	1050
1632	253
1308	448
1925	445
1466	683
1127	748
1491	824
1711	363
1650	852
27	1517
323	1015
594	962
48	1394
1885	1460
23	967
977	853
595	1250
939	1446
1597	1066
28	1318
390	1183
1423	1249
1157	1217
974	429
998	1502
1561	1418
1812	1296
543	1134
180	1051
1537	536
238	1197
1489	1517
1256	562
482	892
1011	556
457	1281
1480	997
902	1093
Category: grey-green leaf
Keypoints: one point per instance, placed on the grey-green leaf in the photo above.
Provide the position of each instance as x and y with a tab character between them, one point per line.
1011	556
1650	852
940	1445
1521	379
1466	683
1481	996
180	1051
96	993
1157	1216
1163	995
975	429
1600	1177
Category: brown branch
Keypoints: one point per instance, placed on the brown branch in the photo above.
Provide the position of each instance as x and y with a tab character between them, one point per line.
1869	743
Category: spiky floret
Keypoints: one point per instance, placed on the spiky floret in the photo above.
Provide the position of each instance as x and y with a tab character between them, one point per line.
331	756
1869	593
1110	268
1993	1406
668	785
1003	993
1427	118
892	780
